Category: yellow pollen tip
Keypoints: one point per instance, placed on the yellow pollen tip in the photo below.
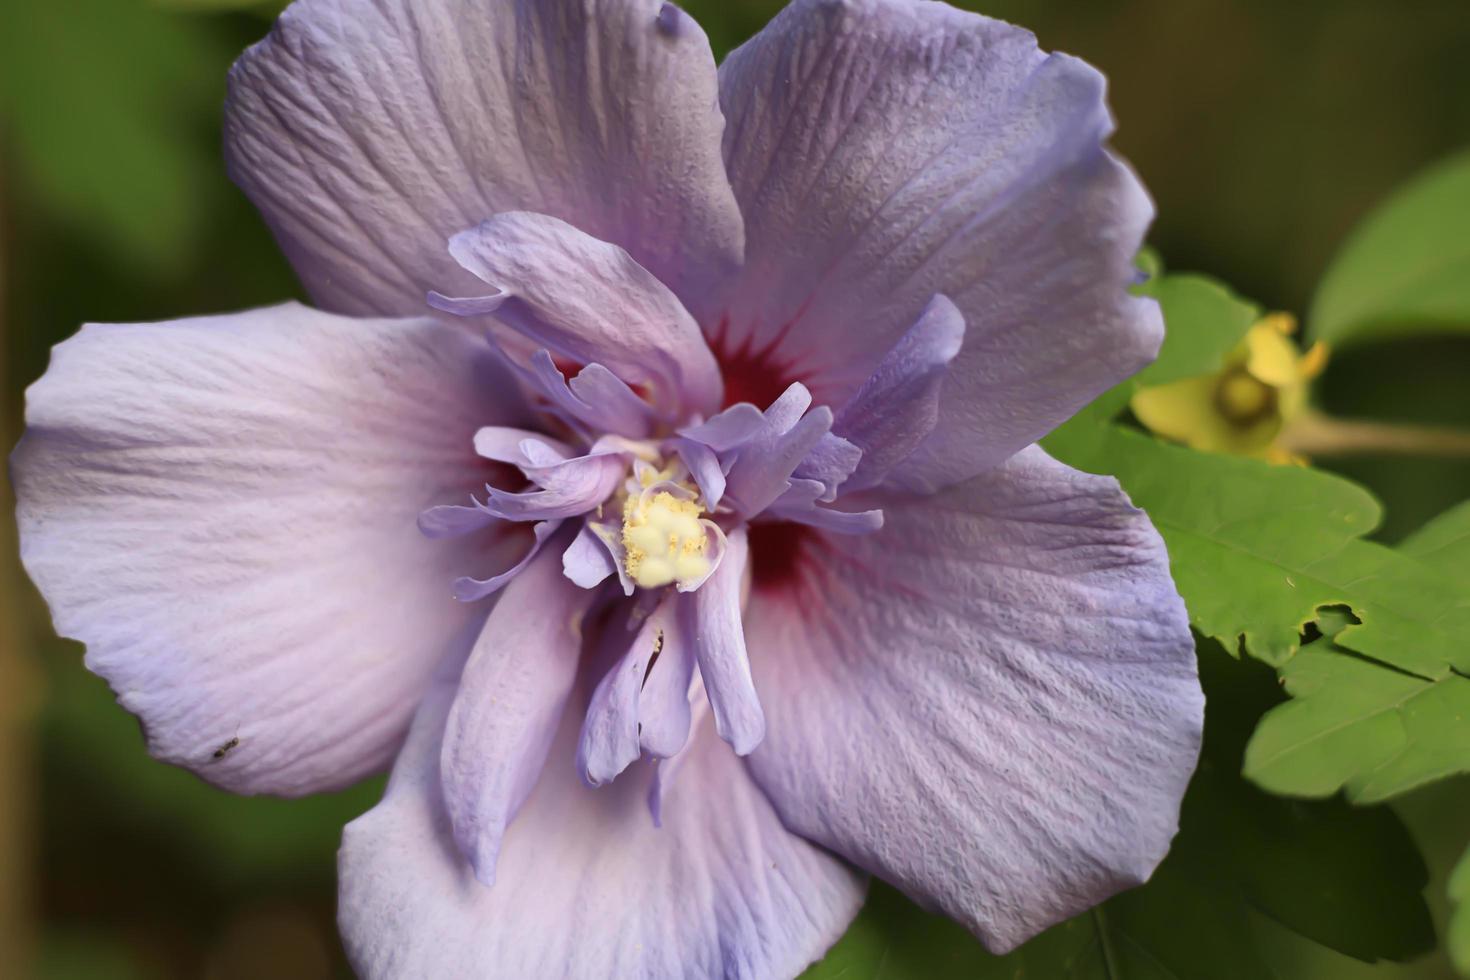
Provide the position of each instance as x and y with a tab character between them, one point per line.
664	540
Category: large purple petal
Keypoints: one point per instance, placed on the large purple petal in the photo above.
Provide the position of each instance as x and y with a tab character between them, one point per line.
992	703
884	151
224	510
587	887
370	131
508	707
590	301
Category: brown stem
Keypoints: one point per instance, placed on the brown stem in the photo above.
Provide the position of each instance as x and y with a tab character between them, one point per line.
1315	434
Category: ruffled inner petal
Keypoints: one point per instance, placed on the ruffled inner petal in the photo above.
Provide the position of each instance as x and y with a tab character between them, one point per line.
713	621
898	406
589	301
765	461
508	707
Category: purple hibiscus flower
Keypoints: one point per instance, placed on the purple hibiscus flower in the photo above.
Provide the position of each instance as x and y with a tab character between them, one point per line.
726	386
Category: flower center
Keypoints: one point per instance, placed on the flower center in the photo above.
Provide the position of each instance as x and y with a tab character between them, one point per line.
664	537
1243	399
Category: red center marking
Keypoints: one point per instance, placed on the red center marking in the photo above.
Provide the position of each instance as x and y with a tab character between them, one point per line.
751	375
778	553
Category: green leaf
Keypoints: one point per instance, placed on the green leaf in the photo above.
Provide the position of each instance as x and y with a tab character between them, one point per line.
1246	540
1203	322
1332	874
1444	544
1358	726
1406	269
1457	938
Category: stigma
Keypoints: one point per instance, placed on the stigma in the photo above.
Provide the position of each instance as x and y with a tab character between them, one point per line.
665	538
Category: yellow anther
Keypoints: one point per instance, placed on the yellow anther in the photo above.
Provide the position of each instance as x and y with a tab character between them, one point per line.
663	538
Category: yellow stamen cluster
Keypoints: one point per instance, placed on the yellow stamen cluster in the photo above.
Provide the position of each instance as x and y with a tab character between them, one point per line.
664	540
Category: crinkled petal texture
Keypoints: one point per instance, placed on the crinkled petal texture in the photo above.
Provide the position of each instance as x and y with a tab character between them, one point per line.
884	151
992	704
587	887
224	510
368	133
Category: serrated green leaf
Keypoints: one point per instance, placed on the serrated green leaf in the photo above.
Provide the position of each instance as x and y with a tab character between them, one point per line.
1406	269
1457	937
1410	617
1341	876
1444	544
1357	726
1246	539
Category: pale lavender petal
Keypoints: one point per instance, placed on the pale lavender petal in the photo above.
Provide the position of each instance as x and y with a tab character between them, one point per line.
508	707
590	301
664	713
799	504
992	704
369	132
666	770
224	510
715	547
704	466
897	407
729	428
801	494
467	589
885	151
615	407
546	379
586	885
595	401
454	520
609	742
766	461
832	519
831	462
713	623
569	488
785	411
610	533
587	562
520	447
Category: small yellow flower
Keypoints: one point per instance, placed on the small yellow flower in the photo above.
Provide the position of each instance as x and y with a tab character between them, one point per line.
1243	407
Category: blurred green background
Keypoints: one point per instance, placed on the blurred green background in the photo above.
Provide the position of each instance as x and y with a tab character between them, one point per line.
1264	130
